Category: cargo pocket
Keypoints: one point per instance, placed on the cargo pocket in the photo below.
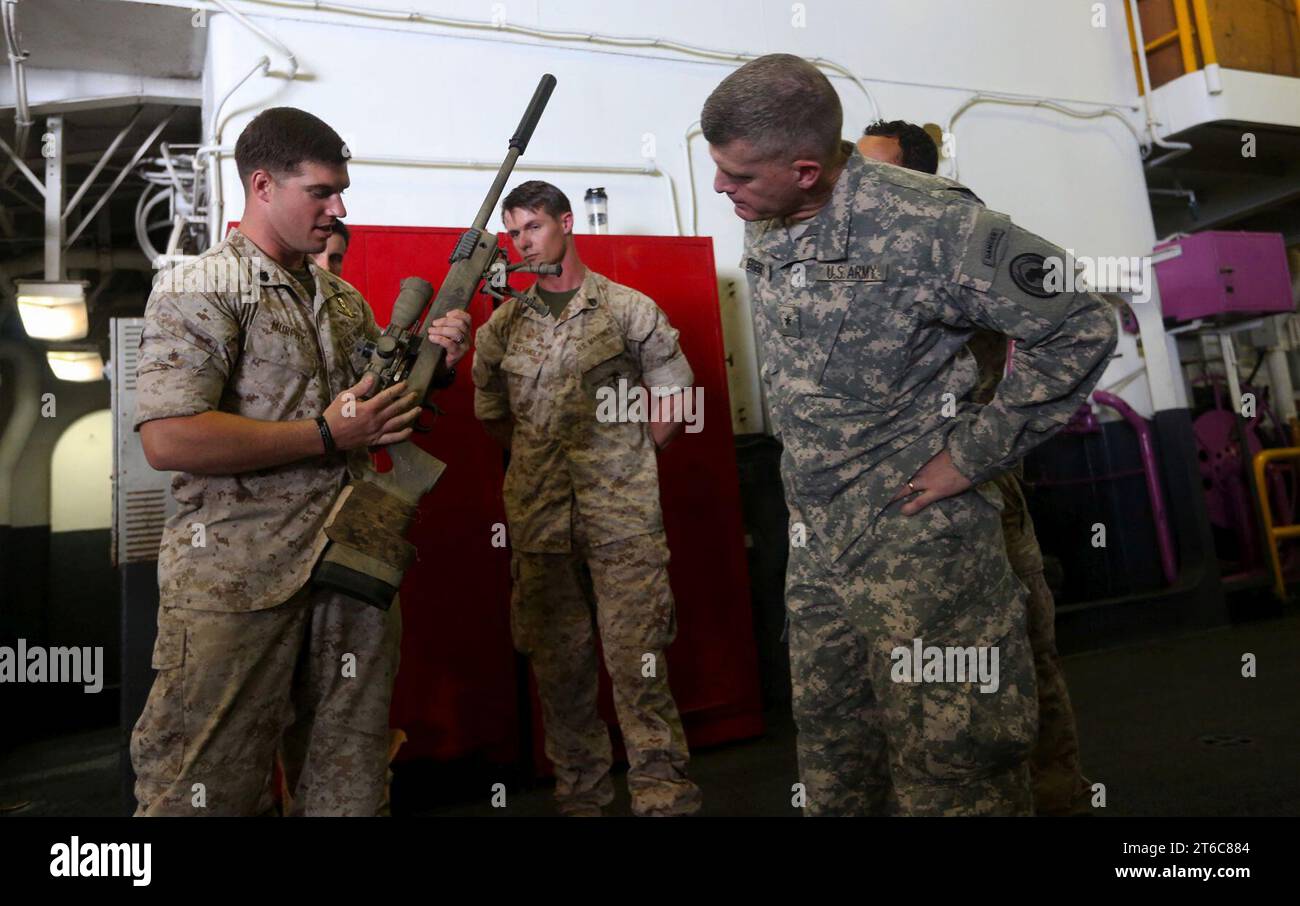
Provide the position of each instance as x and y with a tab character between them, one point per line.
275	371
869	357
522	615
521	370
158	740
281	346
603	361
968	733
169	646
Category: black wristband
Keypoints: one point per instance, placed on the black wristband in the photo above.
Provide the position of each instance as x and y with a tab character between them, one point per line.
325	435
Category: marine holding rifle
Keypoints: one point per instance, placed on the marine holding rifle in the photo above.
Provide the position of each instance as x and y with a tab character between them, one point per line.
251	389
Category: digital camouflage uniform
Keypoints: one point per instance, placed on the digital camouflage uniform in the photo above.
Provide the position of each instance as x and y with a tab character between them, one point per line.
1055	771
577	491
247	650
862	321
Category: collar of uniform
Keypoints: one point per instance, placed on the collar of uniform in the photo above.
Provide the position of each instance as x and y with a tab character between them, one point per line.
270	272
591	292
831	225
329	285
827	235
772	244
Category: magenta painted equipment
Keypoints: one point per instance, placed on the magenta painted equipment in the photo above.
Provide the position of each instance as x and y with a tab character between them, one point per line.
1164	538
1228	499
1225	273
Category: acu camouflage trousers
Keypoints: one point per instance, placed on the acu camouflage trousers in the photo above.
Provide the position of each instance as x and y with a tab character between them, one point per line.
555	614
232	686
870	744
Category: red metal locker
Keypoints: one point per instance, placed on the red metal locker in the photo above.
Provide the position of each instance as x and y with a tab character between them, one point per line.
456	689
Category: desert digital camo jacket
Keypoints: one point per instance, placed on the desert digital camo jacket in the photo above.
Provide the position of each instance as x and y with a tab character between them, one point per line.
232	331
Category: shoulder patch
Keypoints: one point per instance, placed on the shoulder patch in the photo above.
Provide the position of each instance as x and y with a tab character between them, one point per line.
1027	272
1018	266
985	249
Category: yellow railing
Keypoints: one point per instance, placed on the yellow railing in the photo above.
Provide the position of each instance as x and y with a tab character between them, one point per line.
1186	22
1274	534
1203	31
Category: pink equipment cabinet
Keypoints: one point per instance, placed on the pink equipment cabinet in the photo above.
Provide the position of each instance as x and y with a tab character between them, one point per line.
1225	273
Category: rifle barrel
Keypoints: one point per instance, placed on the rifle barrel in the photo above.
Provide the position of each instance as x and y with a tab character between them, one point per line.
518	144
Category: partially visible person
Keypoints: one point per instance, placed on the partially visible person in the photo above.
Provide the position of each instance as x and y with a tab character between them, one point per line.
900	143
331	258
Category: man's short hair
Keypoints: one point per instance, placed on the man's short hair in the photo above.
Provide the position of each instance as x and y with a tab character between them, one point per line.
537	195
781	104
280	139
342	229
919	151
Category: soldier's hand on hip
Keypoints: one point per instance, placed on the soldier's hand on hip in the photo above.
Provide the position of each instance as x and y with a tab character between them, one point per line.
385	419
452	333
936	480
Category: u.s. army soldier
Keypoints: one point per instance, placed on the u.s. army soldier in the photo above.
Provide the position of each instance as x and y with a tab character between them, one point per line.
866	281
581	490
248	388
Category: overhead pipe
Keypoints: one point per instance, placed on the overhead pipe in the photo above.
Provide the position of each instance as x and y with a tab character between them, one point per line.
23	121
212	150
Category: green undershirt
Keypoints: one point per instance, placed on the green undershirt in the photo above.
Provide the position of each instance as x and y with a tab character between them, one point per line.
308	282
557	302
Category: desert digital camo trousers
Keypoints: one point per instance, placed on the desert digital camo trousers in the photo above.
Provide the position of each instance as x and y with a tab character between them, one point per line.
1058	782
316	671
553	624
870	744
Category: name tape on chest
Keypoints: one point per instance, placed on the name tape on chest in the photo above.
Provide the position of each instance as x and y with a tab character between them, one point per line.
285	330
852	273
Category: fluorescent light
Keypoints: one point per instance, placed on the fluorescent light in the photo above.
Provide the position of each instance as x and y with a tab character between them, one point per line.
53	310
79	365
